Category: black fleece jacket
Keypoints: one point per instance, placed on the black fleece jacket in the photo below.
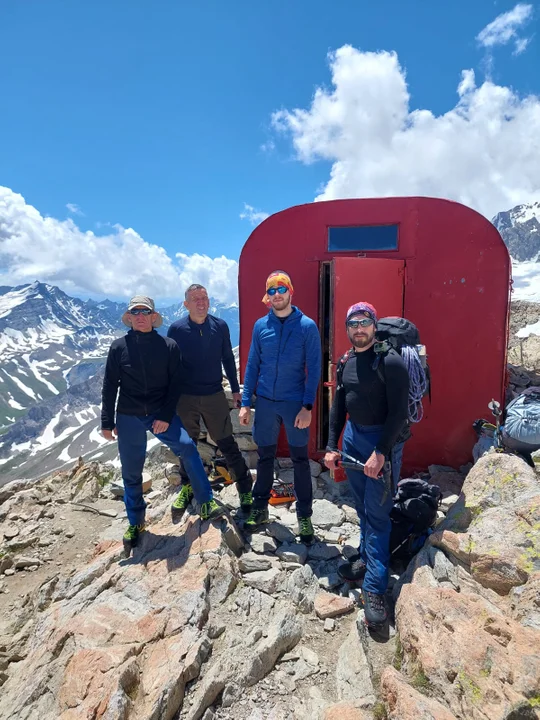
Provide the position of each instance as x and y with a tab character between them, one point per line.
146	368
367	400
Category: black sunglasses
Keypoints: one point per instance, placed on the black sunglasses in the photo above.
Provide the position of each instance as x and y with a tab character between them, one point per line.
364	322
141	311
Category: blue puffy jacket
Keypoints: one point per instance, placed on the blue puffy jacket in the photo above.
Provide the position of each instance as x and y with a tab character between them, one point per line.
284	361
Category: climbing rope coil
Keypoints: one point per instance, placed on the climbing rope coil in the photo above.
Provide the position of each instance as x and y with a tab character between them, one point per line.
418	382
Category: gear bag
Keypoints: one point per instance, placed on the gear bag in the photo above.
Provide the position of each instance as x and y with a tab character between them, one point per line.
413	514
523	417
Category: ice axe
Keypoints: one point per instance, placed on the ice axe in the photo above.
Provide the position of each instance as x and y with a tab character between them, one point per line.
496	411
351	463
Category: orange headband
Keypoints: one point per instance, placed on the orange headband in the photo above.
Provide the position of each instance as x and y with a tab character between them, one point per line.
275	279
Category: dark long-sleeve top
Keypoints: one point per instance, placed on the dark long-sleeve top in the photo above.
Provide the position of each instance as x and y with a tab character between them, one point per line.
368	400
204	349
144	371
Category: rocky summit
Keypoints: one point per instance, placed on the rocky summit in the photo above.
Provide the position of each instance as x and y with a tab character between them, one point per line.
204	622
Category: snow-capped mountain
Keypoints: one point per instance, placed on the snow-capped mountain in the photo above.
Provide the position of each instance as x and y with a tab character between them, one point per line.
52	353
48	341
520	230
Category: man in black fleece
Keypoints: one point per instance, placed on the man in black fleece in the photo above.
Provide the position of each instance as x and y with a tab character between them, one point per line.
144	368
205	345
378	412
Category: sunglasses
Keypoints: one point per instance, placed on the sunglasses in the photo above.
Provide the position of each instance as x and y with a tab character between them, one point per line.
281	289
141	311
364	322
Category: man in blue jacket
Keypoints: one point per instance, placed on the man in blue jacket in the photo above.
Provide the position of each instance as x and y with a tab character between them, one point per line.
283	370
205	345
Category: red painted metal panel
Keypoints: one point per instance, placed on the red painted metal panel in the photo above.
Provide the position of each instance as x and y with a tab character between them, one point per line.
457	291
379	282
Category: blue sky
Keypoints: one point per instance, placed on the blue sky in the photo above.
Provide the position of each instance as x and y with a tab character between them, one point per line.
157	116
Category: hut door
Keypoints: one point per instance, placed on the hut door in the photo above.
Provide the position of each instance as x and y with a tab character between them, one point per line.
378	281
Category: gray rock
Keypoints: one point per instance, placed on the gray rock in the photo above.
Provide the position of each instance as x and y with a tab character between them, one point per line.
6	562
245	443
443	570
246	668
280	533
326	514
321	551
331	536
350	514
448	501
330	581
262	543
329	625
266	581
224	580
315	468
303	670
293	552
231	535
251	562
353	678
26	562
302	587
309	656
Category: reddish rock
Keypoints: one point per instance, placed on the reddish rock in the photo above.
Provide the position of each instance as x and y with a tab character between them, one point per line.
405	703
346	711
476	658
329	606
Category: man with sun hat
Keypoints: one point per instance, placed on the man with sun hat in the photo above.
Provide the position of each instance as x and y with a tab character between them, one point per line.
143	369
283	370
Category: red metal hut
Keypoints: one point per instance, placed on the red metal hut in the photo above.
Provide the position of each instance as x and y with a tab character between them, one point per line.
435	262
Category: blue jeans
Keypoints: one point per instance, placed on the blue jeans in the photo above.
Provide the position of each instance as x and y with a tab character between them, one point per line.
375	524
132	449
269	416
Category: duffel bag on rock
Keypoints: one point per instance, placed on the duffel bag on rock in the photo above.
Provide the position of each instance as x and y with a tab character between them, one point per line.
523	417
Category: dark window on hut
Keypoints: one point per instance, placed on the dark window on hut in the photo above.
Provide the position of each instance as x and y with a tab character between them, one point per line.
362	238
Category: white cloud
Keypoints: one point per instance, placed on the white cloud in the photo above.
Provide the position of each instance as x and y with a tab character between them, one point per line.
118	264
74	209
253	215
219	275
484	152
505	27
521	45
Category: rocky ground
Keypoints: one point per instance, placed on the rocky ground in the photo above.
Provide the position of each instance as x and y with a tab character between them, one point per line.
203	622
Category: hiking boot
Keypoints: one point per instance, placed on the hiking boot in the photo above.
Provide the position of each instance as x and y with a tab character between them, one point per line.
305	530
257	516
374	609
353	570
131	538
246	502
211	510
179	506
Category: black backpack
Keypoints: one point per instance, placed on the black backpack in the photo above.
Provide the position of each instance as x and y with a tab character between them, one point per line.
413	514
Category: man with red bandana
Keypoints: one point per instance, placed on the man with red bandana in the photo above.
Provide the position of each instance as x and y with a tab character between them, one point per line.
374	411
283	371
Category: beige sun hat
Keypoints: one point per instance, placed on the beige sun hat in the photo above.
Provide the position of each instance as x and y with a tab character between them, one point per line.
142	301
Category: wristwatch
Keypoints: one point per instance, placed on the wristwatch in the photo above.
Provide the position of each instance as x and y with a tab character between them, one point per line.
308	406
